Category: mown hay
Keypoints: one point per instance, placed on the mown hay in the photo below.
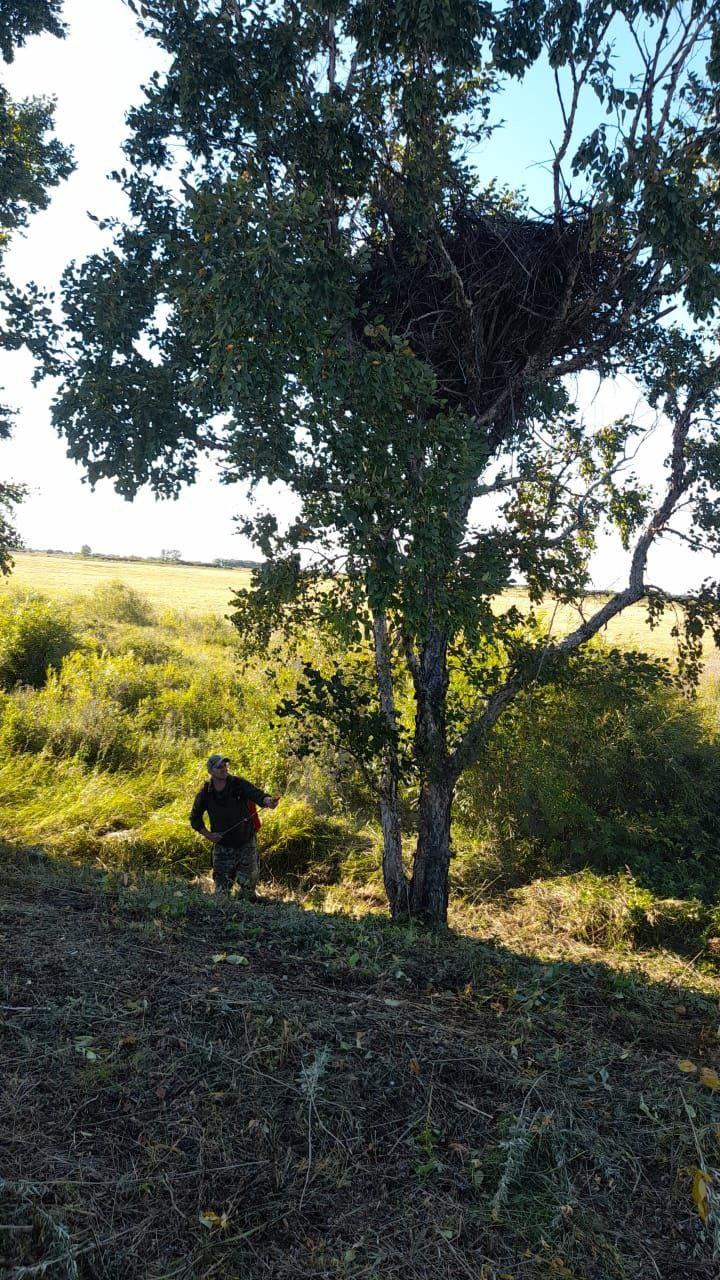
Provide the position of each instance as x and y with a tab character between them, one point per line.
192	1091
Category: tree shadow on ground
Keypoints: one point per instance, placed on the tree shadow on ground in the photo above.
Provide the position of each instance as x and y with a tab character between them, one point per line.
195	1090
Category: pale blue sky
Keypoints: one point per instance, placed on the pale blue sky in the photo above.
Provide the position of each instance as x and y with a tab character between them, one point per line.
95	75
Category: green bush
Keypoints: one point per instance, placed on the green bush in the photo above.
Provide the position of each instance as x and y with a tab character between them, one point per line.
297	842
614	770
86	710
87	729
115	601
148	648
202	628
35	636
197	702
119	678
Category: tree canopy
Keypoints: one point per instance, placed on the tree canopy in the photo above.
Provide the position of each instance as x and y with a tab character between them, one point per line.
32	163
319	283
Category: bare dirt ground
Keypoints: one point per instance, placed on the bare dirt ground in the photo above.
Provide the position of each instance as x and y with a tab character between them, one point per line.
258	1091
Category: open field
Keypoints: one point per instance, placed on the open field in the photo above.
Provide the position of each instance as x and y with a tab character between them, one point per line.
203	590
297	1089
187	588
629	630
102	749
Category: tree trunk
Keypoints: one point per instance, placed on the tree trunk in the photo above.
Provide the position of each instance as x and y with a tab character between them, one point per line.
396	882
429	887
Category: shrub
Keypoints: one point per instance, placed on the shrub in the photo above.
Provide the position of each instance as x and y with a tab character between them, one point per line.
115	601
89	730
96	734
188	702
148	648
21	727
35	636
296	842
616	769
86	710
118	678
204	628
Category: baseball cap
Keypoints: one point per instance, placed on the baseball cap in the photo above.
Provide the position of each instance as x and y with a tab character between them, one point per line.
214	761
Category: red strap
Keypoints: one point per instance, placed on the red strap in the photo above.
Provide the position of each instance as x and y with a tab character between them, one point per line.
254	815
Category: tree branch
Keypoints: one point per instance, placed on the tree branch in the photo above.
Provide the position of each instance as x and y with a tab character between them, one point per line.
476	733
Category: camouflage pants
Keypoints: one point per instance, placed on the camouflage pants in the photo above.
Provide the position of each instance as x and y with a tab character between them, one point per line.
241	864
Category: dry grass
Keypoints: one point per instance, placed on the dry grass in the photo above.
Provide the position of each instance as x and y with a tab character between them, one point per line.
205	590
629	630
187	588
351	1101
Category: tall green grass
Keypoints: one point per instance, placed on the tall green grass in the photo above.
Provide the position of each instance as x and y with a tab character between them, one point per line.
109	708
101	752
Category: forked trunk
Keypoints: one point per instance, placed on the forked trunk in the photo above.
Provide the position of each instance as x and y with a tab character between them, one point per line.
429	887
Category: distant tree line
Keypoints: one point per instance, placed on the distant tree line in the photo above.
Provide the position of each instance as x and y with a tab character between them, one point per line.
165	557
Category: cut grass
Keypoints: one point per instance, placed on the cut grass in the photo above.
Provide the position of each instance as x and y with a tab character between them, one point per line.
187	588
336	1098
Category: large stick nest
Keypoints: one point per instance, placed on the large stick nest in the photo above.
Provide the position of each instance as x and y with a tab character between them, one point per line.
486	298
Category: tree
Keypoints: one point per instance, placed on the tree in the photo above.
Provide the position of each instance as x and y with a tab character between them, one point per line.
31	163
171	555
318	282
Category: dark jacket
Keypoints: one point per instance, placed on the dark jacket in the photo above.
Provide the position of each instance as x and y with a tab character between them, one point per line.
227	809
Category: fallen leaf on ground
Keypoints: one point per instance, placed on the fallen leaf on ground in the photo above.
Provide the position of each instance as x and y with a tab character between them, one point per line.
211	1220
700	1183
709	1078
687	1066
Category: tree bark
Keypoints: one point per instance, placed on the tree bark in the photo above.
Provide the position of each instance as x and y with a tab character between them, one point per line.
396	882
429	887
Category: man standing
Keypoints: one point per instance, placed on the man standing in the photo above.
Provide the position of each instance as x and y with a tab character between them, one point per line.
224	798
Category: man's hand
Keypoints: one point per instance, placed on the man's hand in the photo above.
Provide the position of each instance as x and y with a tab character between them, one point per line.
270	802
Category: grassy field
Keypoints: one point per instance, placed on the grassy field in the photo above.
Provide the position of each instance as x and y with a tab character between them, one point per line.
101	758
297	1089
187	588
199	589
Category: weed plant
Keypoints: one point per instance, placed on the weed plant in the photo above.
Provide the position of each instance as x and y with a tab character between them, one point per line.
115	601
